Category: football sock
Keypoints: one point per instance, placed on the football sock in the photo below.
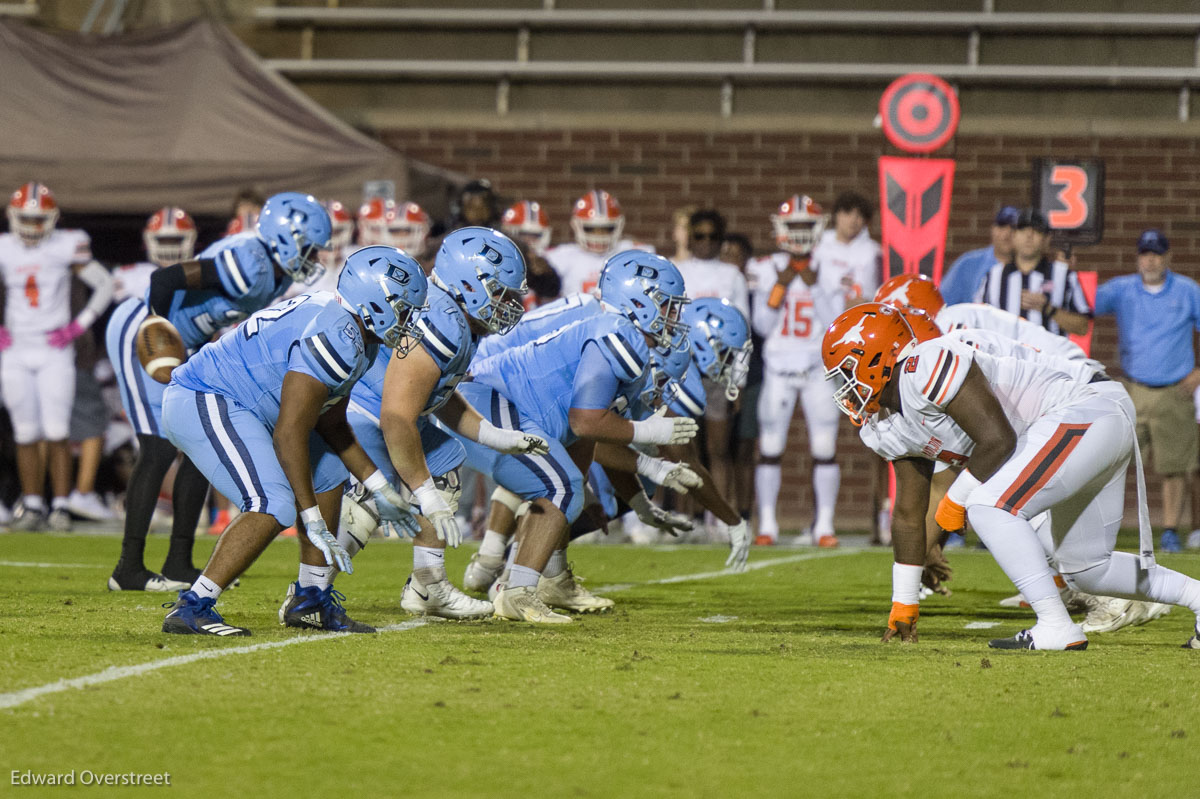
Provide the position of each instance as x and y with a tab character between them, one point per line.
155	456
58	503
1122	576
206	587
188	495
827	477
493	545
314	576
1014	545
767	479
33	502
429	564
522	576
557	563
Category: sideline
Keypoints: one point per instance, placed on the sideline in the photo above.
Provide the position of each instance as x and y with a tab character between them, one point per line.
22	564
112	673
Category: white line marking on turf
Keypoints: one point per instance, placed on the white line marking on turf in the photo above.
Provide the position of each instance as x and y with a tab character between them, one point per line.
20	564
981	625
753	566
718	619
120	672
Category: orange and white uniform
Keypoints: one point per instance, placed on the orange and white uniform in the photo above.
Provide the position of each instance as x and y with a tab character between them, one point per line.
579	268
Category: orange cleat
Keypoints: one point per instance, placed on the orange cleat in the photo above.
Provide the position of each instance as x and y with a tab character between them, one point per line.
764	541
289	533
220	523
827	541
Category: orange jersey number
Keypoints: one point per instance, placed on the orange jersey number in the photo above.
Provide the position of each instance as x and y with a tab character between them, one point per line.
31	291
799	322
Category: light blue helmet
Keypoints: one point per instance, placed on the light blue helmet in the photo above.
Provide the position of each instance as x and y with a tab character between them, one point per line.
386	289
485	273
665	375
721	343
648	290
294	226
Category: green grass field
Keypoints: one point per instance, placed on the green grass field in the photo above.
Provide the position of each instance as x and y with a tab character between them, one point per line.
769	683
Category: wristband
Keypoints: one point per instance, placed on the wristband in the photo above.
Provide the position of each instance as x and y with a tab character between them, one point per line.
375	481
950	515
423	496
906	583
311	516
85	319
776	297
903	612
960	491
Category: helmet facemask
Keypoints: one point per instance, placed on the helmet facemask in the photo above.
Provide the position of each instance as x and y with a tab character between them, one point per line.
667	330
305	267
403	335
31	228
659	389
504	307
856	399
598	236
798	235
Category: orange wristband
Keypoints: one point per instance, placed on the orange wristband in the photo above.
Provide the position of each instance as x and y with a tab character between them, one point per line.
776	297
903	613
950	515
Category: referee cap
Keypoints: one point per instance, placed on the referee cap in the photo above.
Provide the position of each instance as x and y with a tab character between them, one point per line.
1007	216
1154	241
1031	217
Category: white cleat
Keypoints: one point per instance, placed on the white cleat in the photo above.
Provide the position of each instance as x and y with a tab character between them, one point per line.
1194	641
155	582
59	520
89	506
496	585
441	599
522	604
1043	637
1111	614
482	571
565	592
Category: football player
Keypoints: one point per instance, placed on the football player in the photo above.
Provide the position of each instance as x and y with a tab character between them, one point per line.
528	224
476	287
262	414
383	221
37	334
802	288
597	223
1034	438
224	284
341	244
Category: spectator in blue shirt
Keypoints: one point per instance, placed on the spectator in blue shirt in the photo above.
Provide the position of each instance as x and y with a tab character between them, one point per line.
965	276
1157	311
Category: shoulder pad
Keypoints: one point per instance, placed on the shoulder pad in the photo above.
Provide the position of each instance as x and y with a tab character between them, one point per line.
333	346
689	398
443	327
934	372
622	344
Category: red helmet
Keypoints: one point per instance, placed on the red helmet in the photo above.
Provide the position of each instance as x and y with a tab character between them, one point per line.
32	213
597	221
911	291
528	222
245	221
860	350
169	236
798	224
382	221
342	225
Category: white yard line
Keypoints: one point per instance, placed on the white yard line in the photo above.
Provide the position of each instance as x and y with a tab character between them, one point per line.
752	566
121	672
20	564
17	698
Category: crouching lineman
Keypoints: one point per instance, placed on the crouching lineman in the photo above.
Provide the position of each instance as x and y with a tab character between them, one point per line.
229	280
478	282
563	387
1036	438
262	414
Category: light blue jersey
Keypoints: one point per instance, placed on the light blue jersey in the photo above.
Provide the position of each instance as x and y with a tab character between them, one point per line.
311	334
541	377
545	319
247	274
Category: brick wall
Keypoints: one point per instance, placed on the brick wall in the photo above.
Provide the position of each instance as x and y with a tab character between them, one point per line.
1150	182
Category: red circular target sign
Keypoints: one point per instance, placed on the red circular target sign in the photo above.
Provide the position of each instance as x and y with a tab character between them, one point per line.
919	112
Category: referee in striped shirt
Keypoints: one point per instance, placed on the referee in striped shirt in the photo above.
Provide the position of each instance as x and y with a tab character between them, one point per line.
1031	285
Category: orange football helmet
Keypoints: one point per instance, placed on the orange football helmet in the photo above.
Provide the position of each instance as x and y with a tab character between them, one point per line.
528	222
798	224
911	291
923	327
597	221
32	213
382	221
860	350
243	222
169	236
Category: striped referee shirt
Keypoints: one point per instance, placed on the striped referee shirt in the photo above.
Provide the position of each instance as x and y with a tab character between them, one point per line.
1004	284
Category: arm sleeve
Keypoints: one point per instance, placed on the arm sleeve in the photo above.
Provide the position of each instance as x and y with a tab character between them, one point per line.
170	279
98	279
595	385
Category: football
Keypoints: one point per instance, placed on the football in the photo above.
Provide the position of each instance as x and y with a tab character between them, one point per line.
159	348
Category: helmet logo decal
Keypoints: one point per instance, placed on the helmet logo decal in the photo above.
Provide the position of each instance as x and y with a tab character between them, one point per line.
647	272
399	275
897	295
853	335
491	254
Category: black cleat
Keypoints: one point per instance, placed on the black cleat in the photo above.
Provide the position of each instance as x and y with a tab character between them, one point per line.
314	608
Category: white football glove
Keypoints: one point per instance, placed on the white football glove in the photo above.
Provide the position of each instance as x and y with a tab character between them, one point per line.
394	513
739	546
318	533
659	429
511	442
675	476
434	507
658	518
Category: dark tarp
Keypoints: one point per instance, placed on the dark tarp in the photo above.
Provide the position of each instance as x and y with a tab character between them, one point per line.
184	115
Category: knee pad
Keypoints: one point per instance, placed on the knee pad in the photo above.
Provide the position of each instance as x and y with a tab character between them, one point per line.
508	499
822	443
359	518
26	432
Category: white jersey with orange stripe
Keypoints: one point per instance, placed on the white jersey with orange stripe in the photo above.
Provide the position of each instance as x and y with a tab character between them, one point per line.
931	376
37	280
988	317
579	269
793	331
